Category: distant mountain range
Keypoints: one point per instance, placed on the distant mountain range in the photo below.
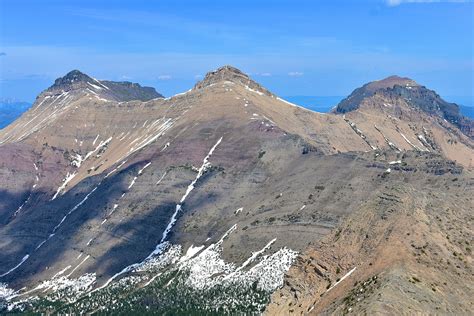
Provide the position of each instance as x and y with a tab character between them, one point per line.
10	110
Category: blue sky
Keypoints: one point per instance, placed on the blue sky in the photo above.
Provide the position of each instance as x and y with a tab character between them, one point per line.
292	47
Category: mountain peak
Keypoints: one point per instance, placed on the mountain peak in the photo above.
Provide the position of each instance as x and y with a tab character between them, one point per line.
409	92
232	74
224	73
72	77
390	82
353	101
109	90
228	70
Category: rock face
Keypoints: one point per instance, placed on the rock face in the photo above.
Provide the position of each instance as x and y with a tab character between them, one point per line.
203	200
415	95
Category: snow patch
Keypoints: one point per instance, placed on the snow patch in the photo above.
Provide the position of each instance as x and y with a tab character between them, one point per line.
66	180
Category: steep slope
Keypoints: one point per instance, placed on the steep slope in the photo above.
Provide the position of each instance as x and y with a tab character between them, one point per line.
406	249
121	173
185	201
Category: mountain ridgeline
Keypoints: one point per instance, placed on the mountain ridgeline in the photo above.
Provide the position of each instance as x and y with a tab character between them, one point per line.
228	199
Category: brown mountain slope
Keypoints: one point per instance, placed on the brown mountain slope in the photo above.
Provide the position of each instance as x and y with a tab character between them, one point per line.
174	135
97	184
405	250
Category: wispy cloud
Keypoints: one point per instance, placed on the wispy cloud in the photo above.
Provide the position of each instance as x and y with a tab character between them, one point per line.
394	3
295	74
164	77
266	74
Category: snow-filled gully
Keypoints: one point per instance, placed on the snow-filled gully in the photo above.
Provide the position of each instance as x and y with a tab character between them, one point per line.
37	178
162	244
78	161
204	263
160	130
205	266
411	144
27	256
359	133
389	143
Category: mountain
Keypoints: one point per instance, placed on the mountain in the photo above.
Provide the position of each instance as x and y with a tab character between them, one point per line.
398	90
10	110
118	91
201	202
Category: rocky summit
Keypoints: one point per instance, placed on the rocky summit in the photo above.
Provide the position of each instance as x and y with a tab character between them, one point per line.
227	199
76	81
404	90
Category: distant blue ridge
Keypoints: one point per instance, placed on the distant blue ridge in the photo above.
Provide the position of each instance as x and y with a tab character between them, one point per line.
11	111
467	111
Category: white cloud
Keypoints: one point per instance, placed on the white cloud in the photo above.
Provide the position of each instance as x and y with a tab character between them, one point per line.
394	3
295	74
164	77
198	77
266	74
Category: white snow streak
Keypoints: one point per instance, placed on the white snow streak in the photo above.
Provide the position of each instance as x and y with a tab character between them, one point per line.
342	279
162	177
15	267
97	137
66	180
163	244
